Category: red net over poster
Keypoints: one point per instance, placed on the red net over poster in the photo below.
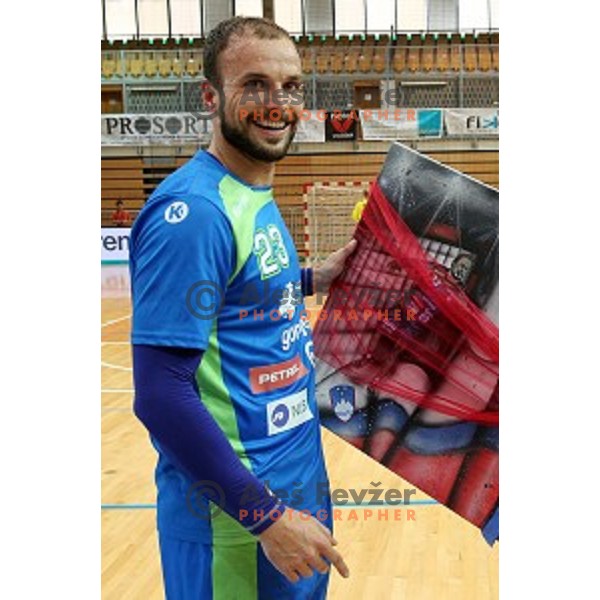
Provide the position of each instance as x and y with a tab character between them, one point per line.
408	341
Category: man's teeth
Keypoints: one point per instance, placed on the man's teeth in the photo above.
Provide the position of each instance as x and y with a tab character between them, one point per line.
271	124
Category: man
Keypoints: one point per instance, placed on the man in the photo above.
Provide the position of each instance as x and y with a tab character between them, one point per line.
120	217
222	349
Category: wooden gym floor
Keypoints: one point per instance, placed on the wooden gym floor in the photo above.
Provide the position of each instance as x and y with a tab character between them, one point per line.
435	555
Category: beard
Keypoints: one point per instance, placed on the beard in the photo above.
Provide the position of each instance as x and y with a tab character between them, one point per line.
240	139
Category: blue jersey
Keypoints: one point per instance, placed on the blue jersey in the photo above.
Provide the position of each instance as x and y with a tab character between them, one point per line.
214	267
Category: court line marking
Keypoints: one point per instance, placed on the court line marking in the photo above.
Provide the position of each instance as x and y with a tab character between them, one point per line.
113	321
117	391
118	367
115	343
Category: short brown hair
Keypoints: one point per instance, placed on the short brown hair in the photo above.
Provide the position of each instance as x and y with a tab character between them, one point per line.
218	39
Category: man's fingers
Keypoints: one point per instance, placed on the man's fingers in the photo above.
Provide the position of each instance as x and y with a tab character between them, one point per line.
349	248
338	562
292	576
304	570
319	564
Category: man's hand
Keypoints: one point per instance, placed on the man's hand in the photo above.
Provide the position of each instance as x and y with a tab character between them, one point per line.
332	267
296	545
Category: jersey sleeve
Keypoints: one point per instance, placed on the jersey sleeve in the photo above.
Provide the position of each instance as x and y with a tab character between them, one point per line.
182	256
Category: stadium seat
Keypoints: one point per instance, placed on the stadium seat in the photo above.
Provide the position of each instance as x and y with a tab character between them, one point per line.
399	59
470	52
427	53
351	60
165	64
495	41
109	65
380	54
337	57
306	56
323	55
442	53
193	64
455	53
135	64
413	59
177	65
365	59
484	53
353	55
150	64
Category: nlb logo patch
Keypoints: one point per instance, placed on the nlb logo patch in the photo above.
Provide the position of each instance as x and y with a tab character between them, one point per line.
279	375
176	212
286	413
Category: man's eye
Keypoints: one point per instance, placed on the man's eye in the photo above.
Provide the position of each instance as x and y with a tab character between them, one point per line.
255	84
295	86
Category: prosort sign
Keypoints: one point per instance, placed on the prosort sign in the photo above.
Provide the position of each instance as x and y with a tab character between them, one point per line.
120	129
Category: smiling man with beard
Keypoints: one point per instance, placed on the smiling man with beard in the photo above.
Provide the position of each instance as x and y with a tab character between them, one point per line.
239	444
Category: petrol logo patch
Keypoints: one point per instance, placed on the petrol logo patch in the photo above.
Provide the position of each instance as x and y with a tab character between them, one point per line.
279	375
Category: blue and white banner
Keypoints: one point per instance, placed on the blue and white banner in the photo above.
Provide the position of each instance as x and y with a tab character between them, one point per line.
471	121
400	123
115	244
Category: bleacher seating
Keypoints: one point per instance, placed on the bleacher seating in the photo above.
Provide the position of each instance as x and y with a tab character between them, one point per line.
324	55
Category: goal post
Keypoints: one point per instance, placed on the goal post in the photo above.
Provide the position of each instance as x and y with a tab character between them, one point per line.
328	223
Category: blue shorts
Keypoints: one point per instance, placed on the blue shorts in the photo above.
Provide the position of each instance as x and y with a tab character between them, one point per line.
196	571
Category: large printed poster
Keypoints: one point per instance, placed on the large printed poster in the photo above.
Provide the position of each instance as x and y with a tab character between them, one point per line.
407	342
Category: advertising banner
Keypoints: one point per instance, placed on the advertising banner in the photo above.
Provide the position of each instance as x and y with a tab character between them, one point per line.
115	244
471	121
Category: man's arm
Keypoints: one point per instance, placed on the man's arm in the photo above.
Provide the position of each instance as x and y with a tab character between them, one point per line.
168	404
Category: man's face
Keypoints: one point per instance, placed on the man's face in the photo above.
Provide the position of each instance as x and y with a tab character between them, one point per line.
261	100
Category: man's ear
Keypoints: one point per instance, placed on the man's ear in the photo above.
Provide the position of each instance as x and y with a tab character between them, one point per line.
209	96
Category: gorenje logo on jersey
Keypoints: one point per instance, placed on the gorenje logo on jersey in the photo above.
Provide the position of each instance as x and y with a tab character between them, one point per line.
273	377
176	212
286	413
294	332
